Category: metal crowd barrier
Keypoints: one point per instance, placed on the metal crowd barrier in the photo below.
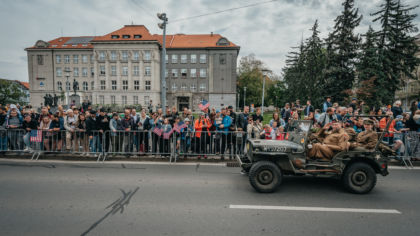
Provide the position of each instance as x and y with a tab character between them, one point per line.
102	145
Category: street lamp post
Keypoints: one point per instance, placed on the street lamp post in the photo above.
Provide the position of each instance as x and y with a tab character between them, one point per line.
244	96
406	95
67	71
264	72
162	25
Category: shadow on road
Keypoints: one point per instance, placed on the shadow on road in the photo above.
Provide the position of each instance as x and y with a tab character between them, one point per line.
118	205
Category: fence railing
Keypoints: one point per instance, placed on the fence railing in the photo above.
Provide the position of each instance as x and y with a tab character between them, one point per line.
174	145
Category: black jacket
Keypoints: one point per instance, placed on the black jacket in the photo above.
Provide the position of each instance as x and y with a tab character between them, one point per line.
33	125
102	124
243	121
91	125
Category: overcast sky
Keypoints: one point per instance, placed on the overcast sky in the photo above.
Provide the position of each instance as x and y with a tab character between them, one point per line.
268	30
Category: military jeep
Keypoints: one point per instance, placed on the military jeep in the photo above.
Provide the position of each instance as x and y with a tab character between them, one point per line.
266	161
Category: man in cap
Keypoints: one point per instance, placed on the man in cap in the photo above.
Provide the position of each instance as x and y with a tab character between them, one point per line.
334	142
366	140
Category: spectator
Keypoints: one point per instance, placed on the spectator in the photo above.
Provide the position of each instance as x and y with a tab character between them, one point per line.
396	109
46	132
286	113
326	104
103	126
70	121
127	125
327	117
201	134
82	138
115	127
13	123
166	133
254	128
277	118
3	136
92	132
353	104
186	134
143	126
224	128
308	109
28	125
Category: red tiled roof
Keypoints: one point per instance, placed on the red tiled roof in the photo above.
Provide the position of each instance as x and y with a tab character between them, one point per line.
193	41
172	41
130	30
24	84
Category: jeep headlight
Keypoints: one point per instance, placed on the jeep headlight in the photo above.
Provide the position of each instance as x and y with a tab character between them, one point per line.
248	147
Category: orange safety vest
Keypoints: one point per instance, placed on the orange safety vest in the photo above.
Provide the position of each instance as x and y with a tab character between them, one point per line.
198	126
382	126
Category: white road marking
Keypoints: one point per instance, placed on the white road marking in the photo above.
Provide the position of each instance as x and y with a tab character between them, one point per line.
403	168
322	209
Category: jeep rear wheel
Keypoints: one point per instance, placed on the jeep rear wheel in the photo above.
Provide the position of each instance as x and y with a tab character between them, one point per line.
265	176
359	178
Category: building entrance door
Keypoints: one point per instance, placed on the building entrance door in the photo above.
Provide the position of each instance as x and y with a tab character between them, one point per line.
183	102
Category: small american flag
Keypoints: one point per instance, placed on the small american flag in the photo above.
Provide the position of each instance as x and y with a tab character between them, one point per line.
179	126
36	136
157	131
167	135
204	105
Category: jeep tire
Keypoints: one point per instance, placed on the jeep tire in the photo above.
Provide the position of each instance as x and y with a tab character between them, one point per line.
265	176
359	178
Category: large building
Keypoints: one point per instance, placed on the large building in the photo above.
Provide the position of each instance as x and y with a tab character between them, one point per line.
123	67
411	91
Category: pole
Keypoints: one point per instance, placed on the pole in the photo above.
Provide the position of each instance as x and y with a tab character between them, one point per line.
68	91
262	102
244	96
163	67
406	96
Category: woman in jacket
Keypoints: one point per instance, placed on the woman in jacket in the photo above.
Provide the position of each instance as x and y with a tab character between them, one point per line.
82	138
56	128
70	121
201	126
115	129
44	125
13	124
166	133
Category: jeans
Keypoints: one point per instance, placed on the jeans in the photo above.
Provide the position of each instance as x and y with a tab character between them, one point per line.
3	142
26	140
96	144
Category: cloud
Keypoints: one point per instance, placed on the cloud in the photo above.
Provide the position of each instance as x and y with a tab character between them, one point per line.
269	30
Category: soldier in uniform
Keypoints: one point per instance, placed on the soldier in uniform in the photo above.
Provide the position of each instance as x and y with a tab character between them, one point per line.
335	141
367	139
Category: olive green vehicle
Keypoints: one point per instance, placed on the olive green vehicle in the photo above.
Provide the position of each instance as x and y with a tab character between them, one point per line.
267	161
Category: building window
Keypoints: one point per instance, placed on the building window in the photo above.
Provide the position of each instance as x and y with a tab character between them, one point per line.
174	87
59	71
136	85
102	70
112	99
146	100
222	59
115	36
174	58
166	73
92	86
124	99
124	55
147	71
113	70
102	55
193	87
126	36
85	86
147	56
202	87
40	59
75	59
91	58
113	55
76	72
184	58
67	59
184	73
125	70
58	59
59	86
183	87
174	73
136	70
166	58
103	84
193	73
203	58
84	59
68	86
136	55
101	99
135	100
148	85
203	73
92	71
84	72
125	84
193	58
114	85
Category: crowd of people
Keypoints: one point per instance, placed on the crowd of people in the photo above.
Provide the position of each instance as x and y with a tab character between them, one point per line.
212	131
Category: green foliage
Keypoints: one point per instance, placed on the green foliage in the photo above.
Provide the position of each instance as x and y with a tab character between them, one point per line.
10	92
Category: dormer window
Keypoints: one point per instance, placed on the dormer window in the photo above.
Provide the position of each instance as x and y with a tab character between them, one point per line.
222	42
74	45
64	45
115	36
137	36
54	45
126	36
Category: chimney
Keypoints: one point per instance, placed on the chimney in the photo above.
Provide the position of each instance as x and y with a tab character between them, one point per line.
211	34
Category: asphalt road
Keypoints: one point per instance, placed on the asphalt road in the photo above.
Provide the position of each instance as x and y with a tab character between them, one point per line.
144	199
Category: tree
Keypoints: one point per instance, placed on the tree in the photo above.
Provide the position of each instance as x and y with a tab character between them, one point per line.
342	52
293	74
10	92
396	47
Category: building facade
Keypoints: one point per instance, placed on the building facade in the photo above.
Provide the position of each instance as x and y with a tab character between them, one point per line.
123	67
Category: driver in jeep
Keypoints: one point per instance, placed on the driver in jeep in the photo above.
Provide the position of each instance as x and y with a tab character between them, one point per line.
335	141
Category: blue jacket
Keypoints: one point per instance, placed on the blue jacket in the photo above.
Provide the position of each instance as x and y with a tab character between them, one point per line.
227	122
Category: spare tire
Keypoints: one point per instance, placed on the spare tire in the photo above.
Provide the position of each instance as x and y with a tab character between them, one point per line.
265	176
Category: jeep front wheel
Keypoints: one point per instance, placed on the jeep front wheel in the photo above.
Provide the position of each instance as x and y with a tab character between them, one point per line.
265	176
359	178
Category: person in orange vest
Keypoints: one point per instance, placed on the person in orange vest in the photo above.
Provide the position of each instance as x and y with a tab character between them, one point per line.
202	134
268	132
280	135
388	137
